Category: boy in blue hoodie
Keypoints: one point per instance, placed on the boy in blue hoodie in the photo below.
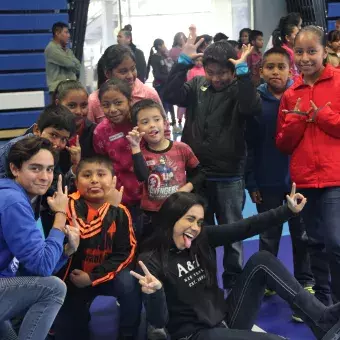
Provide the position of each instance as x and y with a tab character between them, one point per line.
269	182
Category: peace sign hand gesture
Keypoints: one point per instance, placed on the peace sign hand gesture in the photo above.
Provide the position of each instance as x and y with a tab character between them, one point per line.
114	196
295	201
59	200
75	152
148	282
190	48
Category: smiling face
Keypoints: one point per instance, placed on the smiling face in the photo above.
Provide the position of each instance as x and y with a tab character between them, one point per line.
309	54
77	102
94	181
188	227
151	122
58	138
126	71
36	174
218	76
116	106
275	72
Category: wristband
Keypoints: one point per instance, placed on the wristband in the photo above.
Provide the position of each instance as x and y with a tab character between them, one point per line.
184	59
61	212
241	69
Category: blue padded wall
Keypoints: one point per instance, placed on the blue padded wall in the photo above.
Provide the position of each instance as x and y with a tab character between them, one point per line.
25	31
333	13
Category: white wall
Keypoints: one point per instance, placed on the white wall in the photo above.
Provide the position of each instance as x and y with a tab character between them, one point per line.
267	14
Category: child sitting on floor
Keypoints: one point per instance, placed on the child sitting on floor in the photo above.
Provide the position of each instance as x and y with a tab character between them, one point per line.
107	248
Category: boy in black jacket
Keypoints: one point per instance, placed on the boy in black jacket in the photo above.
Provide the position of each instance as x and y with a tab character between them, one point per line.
217	108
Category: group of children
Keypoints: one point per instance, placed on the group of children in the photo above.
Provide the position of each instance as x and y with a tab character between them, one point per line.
112	151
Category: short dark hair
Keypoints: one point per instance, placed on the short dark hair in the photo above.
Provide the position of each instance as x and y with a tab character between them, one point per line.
115	84
64	87
220	53
207	40
276	50
57	116
142	105
96	159
115	55
254	34
58	26
220	36
233	43
25	149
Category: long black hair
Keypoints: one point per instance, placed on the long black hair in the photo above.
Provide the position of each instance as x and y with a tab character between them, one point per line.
173	208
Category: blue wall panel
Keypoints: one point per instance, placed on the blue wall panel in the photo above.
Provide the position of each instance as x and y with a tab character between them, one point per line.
20	42
331	25
17	120
31	61
333	9
20	5
19	81
31	22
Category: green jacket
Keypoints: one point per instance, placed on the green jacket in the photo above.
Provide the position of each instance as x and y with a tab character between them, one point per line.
60	65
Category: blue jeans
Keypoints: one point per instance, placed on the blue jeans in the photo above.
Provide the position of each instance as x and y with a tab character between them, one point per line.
225	202
40	298
270	239
73	318
322	219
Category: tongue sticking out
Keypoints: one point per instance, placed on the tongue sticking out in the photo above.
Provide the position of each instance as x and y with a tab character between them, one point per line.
187	241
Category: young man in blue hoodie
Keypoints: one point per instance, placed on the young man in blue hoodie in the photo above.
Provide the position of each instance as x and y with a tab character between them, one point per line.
269	182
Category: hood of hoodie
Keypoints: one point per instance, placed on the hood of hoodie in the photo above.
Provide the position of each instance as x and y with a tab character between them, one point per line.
10	185
267	95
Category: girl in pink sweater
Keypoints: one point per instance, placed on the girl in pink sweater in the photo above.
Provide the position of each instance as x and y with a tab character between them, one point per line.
120	63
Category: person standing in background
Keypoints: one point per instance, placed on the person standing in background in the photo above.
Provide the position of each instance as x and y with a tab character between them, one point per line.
124	37
179	41
61	63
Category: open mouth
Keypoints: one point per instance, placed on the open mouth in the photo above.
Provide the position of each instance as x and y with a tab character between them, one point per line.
188	238
153	133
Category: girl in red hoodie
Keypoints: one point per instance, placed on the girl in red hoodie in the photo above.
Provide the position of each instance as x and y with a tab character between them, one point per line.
308	128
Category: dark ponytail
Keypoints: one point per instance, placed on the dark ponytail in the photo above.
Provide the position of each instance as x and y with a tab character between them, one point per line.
157	42
285	28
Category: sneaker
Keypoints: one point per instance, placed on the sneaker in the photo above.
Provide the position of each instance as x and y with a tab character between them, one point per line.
295	316
268	292
156	333
309	289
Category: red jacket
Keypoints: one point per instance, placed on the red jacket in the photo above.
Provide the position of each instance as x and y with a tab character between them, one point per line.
312	137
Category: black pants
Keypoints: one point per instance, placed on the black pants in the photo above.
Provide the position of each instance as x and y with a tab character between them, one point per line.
270	239
244	301
74	316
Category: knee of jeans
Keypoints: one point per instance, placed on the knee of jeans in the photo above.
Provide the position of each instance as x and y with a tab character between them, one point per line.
56	288
127	283
261	257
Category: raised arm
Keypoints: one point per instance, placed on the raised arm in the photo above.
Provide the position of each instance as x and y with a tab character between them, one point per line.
248	227
177	90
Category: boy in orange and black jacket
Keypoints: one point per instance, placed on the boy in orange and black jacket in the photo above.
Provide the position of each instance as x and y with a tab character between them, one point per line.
105	255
